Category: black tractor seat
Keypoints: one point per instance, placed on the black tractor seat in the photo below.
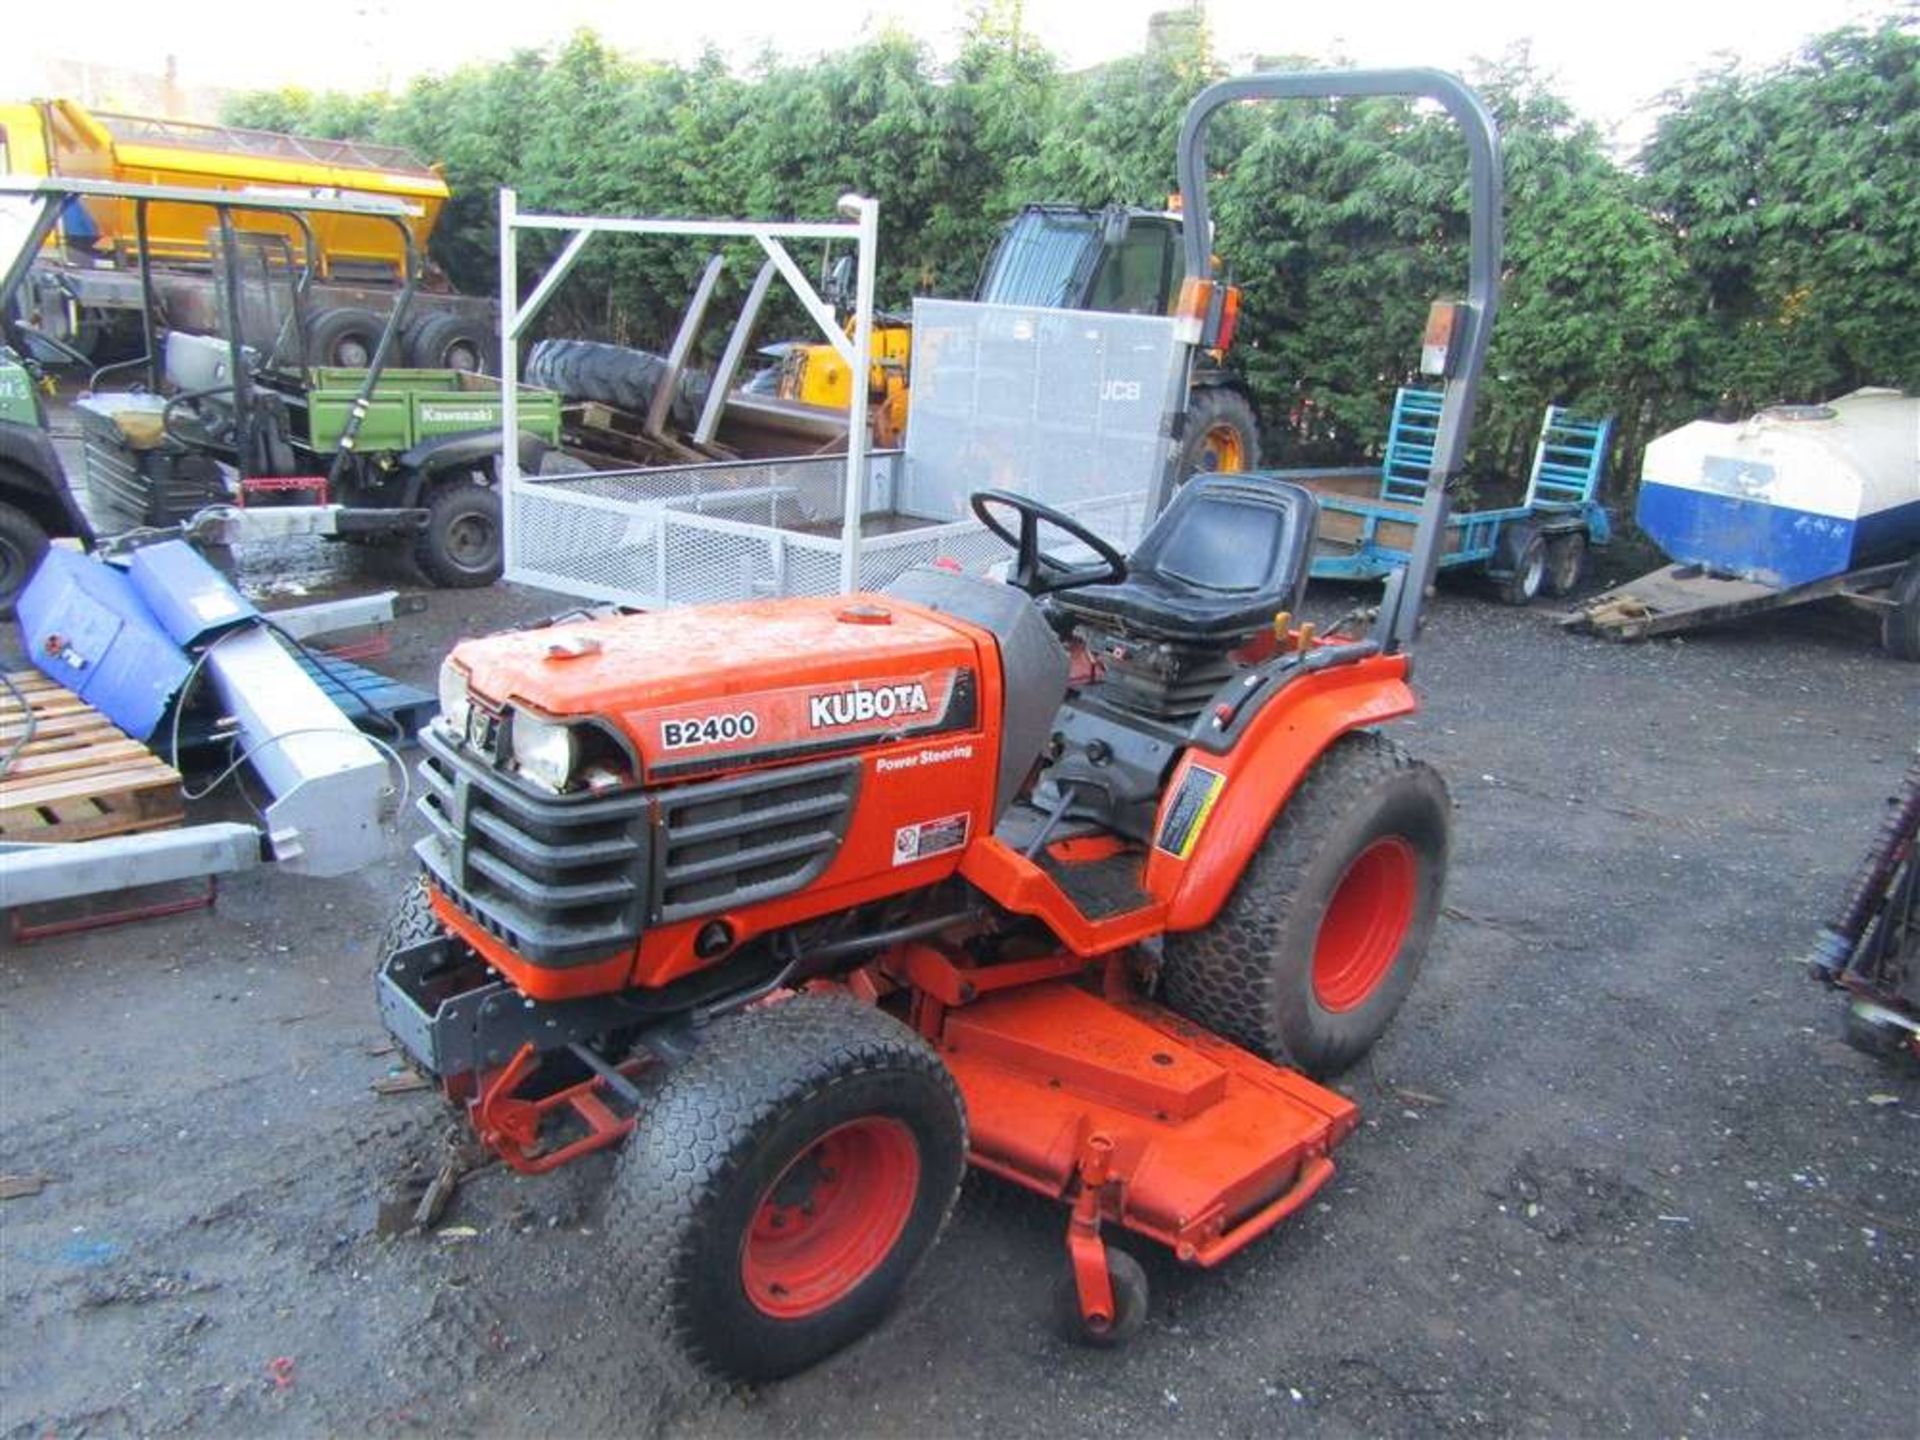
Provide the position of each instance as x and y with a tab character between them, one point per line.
1227	554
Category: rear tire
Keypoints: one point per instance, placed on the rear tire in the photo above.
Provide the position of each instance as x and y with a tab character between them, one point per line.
1566	562
22	544
1900	626
345	338
783	1184
1520	564
1318	945
453	342
1222	434
461	546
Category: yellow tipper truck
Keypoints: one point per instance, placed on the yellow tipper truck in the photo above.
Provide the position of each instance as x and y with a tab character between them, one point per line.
86	290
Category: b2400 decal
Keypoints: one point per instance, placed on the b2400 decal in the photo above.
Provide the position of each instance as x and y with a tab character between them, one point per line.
708	730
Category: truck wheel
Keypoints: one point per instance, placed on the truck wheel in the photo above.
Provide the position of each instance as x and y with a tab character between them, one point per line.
22	543
1566	562
784	1182
453	342
1321	939
1221	434
1900	625
1520	564
460	548
345	338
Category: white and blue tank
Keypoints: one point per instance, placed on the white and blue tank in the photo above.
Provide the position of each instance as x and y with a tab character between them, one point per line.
1795	494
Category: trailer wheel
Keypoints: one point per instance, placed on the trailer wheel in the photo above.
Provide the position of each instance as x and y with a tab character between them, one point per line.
346	337
22	543
1222	434
453	342
1900	625
784	1182
1320	941
1566	562
1519	565
460	547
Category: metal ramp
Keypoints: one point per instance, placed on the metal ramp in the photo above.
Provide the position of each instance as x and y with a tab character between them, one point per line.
1569	459
1411	437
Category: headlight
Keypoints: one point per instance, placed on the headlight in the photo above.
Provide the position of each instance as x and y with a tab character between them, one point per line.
455	704
544	752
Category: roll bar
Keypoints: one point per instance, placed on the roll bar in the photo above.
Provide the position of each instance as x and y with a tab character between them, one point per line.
1400	607
53	193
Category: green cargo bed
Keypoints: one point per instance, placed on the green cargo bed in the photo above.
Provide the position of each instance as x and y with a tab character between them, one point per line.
409	407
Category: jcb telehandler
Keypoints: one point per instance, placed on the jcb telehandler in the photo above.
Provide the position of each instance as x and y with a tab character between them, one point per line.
1121	260
813	901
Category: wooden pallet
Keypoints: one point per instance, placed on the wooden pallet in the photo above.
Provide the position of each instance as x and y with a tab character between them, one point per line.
81	776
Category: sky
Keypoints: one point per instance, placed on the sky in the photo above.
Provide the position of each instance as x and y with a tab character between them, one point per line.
1610	60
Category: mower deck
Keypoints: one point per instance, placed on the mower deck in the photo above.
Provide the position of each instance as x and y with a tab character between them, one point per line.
1157	1124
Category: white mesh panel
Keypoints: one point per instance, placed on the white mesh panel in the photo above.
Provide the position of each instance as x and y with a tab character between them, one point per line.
1065	406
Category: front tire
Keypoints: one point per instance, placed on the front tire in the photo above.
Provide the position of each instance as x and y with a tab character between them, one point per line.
22	544
1318	945
783	1184
1222	434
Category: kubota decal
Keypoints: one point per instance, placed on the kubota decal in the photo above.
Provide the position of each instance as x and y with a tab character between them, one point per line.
862	703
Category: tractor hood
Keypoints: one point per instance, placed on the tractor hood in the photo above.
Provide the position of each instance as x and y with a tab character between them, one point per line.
716	687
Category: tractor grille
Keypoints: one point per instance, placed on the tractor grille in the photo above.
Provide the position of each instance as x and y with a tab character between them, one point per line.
725	843
560	880
567	880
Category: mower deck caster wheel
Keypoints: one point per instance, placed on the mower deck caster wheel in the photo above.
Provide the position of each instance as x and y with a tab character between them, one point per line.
1129	1284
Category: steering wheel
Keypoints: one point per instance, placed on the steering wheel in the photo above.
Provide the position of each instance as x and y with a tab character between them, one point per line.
1035	570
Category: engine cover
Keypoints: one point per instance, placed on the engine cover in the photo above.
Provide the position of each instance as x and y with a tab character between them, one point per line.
712	689
790	759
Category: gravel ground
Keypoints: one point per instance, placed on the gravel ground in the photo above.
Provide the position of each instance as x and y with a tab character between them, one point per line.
1617	1171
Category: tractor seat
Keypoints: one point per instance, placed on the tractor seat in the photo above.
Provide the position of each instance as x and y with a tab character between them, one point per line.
1222	559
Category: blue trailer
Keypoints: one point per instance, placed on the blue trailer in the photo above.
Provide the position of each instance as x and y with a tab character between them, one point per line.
1539	546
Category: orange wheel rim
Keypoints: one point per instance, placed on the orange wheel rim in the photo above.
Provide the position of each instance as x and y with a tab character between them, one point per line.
831	1218
1365	923
1221	449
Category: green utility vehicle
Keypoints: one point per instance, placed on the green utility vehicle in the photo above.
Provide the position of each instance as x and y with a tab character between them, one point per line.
238	420
35	503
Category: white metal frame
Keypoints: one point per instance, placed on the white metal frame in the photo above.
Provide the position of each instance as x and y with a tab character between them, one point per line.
861	229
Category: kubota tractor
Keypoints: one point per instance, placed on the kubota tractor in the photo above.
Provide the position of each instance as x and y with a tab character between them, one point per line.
811	902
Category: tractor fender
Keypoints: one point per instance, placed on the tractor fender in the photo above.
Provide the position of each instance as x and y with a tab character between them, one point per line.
32	478
1221	377
466	451
1217	808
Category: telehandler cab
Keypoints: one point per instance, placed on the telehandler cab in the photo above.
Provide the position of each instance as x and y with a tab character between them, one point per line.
813	901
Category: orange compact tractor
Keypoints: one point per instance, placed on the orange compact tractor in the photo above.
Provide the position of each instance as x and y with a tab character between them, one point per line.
811	902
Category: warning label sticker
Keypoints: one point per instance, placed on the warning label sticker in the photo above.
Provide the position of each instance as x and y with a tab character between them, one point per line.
929	838
1192	803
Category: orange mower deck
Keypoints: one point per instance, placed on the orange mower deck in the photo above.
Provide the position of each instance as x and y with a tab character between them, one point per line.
1204	1147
